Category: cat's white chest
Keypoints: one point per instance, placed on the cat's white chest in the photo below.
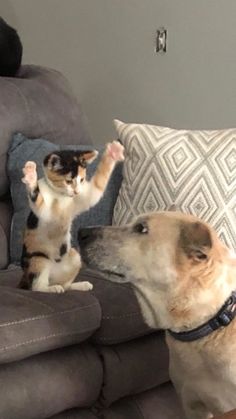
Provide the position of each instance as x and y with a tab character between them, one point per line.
54	204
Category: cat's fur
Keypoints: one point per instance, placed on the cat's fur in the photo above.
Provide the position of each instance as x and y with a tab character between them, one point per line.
49	262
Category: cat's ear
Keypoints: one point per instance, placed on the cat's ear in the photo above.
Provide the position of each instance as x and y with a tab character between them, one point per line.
90	156
53	162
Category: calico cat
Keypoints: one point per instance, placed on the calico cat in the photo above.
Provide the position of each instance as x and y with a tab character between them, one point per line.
49	262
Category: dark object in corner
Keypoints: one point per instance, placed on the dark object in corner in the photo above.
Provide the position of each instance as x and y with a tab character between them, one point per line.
10	50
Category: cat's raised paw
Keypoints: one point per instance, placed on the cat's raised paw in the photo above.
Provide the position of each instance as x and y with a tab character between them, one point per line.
30	174
115	150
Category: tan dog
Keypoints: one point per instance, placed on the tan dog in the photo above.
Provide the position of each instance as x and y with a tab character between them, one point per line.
182	275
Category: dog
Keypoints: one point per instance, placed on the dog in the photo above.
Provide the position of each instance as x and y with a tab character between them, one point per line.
185	281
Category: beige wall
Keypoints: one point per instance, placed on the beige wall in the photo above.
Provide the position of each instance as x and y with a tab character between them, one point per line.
106	49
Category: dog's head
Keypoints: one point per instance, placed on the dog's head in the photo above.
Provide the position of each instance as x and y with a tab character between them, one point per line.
175	262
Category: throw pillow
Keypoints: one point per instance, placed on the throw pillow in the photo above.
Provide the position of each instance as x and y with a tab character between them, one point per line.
194	171
22	149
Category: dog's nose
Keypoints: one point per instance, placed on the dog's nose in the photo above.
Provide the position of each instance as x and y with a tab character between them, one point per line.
86	235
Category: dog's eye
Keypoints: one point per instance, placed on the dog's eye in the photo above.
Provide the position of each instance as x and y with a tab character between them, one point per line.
141	228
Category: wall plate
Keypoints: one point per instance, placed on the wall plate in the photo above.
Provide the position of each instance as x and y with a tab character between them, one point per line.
161	40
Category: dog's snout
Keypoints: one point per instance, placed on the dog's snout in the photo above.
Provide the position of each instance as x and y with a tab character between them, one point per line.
86	235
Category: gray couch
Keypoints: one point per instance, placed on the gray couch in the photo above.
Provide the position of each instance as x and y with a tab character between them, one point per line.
78	355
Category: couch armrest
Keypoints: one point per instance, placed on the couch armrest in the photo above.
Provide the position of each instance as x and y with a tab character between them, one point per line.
34	322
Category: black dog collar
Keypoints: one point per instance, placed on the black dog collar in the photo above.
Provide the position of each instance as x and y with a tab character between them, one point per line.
222	319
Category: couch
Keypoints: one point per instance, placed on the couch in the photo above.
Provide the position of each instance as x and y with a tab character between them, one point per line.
80	355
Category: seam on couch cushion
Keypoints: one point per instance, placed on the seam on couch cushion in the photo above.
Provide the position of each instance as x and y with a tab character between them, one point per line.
43	338
137	313
46	316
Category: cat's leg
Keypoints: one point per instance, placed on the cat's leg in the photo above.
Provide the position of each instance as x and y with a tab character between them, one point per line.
94	189
31	181
38	274
65	272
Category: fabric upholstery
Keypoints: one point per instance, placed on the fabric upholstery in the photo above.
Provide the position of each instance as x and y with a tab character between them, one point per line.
158	403
32	322
193	170
122	318
39	102
46	384
133	367
75	414
11	276
4	233
22	149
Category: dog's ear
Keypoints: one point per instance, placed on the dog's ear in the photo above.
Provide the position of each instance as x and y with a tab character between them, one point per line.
196	241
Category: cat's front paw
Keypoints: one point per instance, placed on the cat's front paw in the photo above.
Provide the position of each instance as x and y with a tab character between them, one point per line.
30	174
115	150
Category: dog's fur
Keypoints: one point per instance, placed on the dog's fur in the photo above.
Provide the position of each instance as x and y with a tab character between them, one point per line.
182	275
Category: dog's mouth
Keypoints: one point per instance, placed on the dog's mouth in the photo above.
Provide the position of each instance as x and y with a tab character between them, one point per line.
113	273
109	274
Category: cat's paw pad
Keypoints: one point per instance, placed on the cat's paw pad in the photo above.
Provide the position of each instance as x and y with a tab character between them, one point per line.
115	150
30	174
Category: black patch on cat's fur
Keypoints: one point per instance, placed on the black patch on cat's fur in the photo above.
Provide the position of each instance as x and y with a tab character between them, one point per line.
24	260
37	255
26	256
10	50
27	281
69	161
32	221
63	249
34	194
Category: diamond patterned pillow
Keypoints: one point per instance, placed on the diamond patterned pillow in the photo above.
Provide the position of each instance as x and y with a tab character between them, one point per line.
193	170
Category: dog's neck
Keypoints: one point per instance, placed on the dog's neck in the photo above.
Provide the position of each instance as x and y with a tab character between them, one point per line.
180	312
223	318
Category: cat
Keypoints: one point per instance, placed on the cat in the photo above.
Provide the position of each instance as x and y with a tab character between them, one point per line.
48	261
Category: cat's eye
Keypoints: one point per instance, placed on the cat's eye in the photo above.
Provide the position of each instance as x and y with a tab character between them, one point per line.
69	181
81	180
141	228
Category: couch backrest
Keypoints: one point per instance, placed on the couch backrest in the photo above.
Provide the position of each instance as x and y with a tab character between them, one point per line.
38	103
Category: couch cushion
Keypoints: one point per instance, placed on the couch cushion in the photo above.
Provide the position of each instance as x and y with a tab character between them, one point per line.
39	102
133	367
48	383
75	414
122	318
195	171
159	403
33	322
22	149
